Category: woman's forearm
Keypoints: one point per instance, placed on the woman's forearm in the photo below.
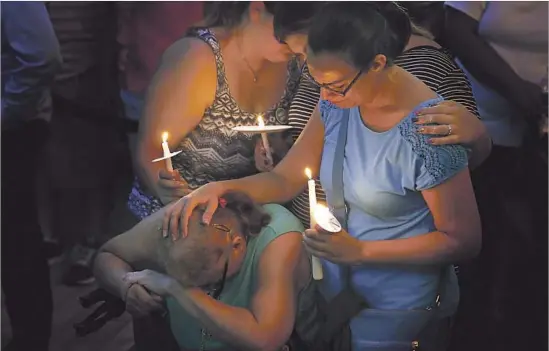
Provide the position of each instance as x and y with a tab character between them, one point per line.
430	248
266	187
109	271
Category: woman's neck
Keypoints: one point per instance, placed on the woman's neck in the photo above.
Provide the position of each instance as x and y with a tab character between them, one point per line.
419	40
393	93
240	46
386	92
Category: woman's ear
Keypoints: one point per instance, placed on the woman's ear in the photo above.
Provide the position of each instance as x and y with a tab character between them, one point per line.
255	11
380	62
238	243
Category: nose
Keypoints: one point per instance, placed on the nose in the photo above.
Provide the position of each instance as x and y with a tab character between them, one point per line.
326	94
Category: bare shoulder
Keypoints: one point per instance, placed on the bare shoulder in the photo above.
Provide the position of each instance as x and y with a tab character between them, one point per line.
284	259
190	58
140	245
187	49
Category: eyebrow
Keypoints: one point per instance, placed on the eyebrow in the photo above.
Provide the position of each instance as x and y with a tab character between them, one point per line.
342	80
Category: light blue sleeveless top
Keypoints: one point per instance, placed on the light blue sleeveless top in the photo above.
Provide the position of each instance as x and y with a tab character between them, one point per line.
384	174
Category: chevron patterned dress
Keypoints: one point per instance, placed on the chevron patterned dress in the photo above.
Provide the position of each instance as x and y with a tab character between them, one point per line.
213	151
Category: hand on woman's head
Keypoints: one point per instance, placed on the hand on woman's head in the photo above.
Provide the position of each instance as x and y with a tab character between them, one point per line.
177	215
201	257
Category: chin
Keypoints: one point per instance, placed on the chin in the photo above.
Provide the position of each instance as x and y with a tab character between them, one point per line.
343	104
280	58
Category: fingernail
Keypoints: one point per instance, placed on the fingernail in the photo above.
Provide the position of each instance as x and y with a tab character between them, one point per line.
421	130
430	141
415	119
164	233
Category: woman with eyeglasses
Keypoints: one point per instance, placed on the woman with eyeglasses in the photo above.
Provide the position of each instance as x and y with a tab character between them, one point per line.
455	121
410	210
243	282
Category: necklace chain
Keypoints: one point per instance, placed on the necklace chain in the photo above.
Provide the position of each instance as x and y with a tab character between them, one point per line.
204	334
254	73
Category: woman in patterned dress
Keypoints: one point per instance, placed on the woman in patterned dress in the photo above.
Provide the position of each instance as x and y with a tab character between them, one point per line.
220	75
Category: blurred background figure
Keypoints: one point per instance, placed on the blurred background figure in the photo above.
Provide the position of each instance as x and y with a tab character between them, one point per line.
30	59
145	30
85	143
502	47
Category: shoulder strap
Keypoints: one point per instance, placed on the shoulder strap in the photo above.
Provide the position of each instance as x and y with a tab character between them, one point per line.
206	35
338	205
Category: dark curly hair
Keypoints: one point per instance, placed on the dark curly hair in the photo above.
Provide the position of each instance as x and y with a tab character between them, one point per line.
250	215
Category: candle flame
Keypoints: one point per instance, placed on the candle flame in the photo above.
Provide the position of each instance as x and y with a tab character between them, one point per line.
308	173
321	211
260	121
164	137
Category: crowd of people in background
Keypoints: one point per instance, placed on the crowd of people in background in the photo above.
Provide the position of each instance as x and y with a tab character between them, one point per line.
443	172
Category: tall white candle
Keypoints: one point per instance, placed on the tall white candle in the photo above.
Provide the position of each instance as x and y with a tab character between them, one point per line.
315	262
265	140
167	153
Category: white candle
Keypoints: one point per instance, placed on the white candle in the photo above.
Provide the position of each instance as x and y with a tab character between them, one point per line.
167	153
266	146
315	262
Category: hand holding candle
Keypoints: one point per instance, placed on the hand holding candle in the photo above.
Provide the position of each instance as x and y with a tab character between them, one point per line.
315	262
167	154
265	140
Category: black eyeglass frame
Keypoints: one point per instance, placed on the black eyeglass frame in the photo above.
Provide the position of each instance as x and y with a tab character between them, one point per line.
305	73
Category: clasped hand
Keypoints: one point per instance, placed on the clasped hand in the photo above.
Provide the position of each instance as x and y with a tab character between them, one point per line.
334	247
145	291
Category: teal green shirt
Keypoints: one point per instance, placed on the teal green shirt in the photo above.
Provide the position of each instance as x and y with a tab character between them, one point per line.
239	290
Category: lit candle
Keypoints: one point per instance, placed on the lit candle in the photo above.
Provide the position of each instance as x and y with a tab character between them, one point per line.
167	153
325	219
315	262
266	146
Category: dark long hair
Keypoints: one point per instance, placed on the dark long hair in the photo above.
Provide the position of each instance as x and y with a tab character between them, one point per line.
360	31
294	17
229	14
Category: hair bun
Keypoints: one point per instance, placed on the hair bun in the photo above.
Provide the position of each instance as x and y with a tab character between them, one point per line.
252	216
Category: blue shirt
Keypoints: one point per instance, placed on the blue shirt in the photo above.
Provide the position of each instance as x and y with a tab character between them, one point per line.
384	174
30	59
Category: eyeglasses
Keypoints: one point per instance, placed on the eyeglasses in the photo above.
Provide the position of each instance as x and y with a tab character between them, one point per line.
305	73
221	283
222	228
